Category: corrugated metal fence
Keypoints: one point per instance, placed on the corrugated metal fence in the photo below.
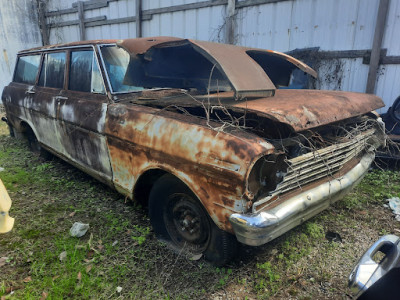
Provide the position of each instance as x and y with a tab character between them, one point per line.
339	34
18	30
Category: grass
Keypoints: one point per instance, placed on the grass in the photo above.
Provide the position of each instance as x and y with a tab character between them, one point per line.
120	249
376	186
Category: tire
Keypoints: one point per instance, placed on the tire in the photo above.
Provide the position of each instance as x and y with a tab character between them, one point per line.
179	219
35	146
11	130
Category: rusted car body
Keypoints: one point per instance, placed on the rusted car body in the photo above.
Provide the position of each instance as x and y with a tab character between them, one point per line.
206	119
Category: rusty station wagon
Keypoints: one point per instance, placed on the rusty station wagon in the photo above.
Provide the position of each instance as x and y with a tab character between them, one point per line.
201	132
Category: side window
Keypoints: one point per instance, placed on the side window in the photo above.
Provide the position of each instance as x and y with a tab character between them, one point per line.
27	68
52	73
97	80
84	73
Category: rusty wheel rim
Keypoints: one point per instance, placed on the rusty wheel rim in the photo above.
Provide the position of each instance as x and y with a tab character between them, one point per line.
186	223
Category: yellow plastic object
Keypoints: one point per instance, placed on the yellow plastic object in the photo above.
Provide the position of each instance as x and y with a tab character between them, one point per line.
6	222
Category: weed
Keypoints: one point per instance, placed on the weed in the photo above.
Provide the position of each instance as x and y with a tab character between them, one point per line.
376	187
267	279
223	280
43	167
314	230
140	234
30	233
14	178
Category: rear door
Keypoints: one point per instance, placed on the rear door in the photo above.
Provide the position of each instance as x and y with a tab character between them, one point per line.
48	93
81	114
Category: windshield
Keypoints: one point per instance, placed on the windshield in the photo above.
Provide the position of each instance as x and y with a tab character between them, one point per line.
116	61
176	67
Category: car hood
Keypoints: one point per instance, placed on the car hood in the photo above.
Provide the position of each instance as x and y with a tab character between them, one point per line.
299	109
305	109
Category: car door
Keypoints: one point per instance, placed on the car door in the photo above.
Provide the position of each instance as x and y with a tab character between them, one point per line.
47	94
81	115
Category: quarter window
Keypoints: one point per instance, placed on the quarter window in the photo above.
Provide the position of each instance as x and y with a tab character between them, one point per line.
84	74
52	73
27	68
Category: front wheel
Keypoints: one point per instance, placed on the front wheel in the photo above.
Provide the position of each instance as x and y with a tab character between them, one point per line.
178	218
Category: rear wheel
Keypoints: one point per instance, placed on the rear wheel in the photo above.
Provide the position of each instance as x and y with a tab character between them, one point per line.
178	218
34	144
11	130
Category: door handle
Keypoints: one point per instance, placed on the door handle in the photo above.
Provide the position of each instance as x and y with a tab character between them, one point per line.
30	91
61	98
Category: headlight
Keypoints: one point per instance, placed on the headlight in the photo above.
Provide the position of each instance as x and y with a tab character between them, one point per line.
267	173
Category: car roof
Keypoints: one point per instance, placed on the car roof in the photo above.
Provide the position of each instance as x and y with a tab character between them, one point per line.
72	44
246	68
137	43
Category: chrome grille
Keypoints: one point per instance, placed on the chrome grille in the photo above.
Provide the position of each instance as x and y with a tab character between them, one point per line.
318	164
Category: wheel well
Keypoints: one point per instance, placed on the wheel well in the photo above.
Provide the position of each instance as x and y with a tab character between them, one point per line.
22	130
27	131
24	127
144	185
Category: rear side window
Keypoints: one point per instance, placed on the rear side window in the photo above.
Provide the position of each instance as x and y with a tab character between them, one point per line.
52	73
27	68
84	73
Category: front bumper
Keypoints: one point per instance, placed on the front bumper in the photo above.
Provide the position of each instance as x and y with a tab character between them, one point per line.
260	228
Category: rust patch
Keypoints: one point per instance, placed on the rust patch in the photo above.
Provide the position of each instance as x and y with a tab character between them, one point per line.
141	45
156	139
305	109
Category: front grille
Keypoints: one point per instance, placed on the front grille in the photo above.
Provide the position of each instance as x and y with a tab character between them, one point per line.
317	164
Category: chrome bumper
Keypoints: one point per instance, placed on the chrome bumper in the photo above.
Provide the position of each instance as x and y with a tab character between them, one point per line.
260	228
